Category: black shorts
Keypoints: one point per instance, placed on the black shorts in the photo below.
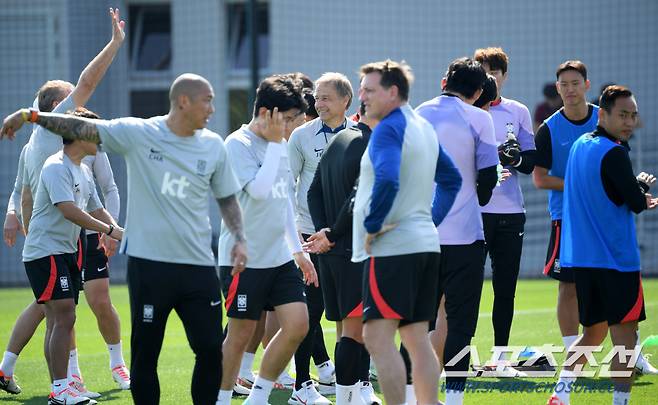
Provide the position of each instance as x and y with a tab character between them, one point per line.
401	287
251	292
461	279
606	295
340	280
96	263
54	277
552	268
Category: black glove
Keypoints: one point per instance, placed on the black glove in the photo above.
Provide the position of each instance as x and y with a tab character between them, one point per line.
509	153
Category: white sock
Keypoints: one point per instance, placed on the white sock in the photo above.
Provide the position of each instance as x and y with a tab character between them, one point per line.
410	394
224	397
621	398
247	362
116	355
454	397
345	394
59	385
74	367
562	389
8	363
568	340
260	391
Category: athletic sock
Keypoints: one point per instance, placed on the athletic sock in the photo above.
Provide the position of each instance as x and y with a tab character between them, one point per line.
320	354
621	398
247	363
563	387
410	394
364	364
407	363
116	355
568	340
59	385
260	391
8	363
348	357
74	367
348	394
454	397
224	397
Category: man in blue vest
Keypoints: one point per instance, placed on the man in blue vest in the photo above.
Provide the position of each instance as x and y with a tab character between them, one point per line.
599	241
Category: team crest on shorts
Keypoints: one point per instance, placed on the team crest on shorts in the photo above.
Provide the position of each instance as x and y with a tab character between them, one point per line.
242	302
201	167
64	283
148	313
556	266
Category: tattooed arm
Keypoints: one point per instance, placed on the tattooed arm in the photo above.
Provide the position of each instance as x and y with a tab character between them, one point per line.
232	216
64	125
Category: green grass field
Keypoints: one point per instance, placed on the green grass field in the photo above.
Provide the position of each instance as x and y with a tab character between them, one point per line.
534	324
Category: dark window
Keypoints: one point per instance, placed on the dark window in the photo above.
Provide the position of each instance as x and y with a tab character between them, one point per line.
149	103
150	37
239	112
238	41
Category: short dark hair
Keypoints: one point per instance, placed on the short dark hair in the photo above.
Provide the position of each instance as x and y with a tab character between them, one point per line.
280	91
307	83
489	92
80	112
393	73
610	95
310	100
495	57
576	65
550	90
465	76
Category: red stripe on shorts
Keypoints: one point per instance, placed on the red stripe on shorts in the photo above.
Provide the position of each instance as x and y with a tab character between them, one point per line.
384	309
80	254
232	289
48	292
556	248
634	313
357	311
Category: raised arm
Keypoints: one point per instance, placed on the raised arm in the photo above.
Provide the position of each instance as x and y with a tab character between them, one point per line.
95	70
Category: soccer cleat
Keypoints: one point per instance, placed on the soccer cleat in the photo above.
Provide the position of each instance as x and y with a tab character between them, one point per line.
242	387
643	367
121	375
307	395
76	384
326	388
326	384
9	384
368	394
554	400
69	396
285	381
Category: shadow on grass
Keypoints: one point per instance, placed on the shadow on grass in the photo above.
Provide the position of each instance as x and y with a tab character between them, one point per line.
41	399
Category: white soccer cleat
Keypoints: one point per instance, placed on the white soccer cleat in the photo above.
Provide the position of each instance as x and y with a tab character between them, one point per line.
643	367
285	381
69	396
307	395
9	384
121	376
76	384
326	378
368	394
244	383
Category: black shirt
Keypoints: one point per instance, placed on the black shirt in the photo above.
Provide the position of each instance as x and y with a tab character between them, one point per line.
334	182
544	154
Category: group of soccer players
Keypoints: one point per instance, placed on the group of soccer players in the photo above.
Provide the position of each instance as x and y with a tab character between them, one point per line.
382	220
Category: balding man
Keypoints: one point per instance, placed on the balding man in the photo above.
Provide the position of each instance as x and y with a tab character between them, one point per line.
174	163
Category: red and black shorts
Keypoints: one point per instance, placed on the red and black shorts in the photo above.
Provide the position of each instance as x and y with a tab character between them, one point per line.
55	277
253	291
404	287
96	263
553	269
340	280
606	295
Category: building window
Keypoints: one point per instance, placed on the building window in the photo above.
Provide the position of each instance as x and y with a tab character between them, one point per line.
239	112
149	103
150	37
238	41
